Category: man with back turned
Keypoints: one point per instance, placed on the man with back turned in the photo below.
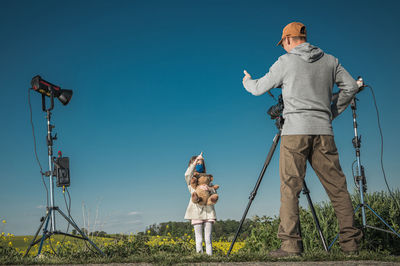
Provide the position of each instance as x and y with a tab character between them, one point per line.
307	75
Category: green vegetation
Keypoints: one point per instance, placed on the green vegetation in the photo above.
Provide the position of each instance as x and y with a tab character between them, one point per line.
172	242
222	230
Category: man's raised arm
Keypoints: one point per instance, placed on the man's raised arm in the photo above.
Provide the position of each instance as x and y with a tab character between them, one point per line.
273	79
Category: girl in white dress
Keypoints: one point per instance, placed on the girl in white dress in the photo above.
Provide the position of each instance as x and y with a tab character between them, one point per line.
201	216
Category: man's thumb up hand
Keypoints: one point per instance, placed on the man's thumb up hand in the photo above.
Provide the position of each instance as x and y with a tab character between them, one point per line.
246	76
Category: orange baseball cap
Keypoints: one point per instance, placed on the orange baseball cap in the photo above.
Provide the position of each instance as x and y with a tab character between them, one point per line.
293	29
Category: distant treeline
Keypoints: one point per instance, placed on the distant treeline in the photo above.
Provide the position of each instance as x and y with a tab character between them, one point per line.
95	233
222	229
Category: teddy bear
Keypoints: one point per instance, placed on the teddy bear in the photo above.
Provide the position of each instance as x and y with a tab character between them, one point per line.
201	182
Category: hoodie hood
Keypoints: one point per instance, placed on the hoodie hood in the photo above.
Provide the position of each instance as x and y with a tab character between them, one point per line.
307	52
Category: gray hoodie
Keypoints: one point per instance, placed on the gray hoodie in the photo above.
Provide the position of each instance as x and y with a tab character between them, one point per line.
307	76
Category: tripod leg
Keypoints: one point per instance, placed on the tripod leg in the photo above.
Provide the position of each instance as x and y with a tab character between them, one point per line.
36	234
254	192
316	221
80	232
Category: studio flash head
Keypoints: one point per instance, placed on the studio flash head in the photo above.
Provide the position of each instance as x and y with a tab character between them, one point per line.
48	89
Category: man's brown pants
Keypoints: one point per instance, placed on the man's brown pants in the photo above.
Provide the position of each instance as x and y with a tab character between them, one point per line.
321	152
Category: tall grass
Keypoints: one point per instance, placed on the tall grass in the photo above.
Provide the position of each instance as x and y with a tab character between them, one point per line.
263	234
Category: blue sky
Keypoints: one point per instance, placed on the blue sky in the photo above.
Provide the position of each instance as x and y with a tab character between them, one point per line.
158	81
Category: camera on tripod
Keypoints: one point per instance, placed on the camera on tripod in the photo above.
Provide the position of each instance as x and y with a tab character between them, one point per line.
276	110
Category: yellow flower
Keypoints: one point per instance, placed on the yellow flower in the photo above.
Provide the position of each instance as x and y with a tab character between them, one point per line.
25	239
10	244
4	222
148	231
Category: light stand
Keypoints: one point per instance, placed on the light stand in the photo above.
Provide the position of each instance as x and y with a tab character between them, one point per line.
51	210
279	123
362	181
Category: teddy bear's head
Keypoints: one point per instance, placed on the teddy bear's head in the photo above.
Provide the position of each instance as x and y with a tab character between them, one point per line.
204	179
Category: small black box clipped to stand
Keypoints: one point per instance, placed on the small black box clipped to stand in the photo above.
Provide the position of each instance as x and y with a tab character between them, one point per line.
61	170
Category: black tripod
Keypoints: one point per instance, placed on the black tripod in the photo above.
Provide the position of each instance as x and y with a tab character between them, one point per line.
362	181
279	123
51	210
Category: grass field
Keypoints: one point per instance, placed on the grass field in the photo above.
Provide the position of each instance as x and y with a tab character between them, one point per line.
173	244
152	249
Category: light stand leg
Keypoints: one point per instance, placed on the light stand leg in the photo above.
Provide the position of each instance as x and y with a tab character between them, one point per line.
254	192
392	231
361	189
80	232
36	234
383	221
45	232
